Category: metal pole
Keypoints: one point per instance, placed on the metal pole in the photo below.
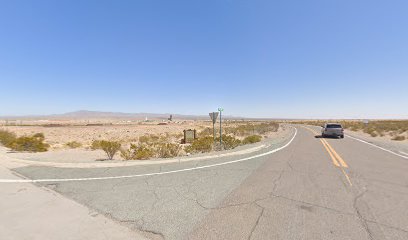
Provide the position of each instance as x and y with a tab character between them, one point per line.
220	128
214	131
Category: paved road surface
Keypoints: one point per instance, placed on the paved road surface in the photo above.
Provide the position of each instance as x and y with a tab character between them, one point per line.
313	189
32	213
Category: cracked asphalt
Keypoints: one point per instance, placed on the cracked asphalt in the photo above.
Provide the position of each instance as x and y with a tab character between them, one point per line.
295	193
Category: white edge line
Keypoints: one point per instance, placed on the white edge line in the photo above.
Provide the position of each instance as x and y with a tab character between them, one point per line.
148	174
384	149
404	153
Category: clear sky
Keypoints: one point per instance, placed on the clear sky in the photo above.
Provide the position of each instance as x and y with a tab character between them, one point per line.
283	59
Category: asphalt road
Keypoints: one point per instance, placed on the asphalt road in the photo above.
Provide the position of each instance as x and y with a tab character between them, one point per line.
313	188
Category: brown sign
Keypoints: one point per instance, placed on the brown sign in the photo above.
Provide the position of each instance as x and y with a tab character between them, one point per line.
189	135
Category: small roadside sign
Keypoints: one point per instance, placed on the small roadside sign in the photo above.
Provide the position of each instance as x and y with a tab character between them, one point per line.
214	116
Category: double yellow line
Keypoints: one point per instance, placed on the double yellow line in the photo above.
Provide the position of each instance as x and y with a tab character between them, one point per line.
337	160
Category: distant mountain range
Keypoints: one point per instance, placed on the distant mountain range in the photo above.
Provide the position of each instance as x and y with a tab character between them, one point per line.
85	114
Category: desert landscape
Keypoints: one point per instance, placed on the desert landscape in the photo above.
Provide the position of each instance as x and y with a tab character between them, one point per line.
95	136
60	134
81	136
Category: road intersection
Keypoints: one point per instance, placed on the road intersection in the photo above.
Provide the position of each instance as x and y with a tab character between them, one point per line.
305	187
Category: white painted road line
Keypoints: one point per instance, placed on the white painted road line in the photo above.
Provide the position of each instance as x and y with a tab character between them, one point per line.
384	149
403	153
148	174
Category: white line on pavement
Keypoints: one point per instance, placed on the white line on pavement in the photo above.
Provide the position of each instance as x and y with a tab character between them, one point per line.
148	174
403	153
384	149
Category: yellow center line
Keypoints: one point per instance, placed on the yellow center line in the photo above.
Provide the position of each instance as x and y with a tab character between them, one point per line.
341	161
347	176
337	160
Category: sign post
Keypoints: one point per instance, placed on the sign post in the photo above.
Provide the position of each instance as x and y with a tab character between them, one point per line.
220	110
214	116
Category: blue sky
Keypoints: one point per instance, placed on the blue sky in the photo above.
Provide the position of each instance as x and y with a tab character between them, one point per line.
283	59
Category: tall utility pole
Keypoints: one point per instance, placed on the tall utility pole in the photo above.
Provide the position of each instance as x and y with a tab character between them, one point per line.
220	110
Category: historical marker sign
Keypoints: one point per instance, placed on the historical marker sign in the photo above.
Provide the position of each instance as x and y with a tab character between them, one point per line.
189	135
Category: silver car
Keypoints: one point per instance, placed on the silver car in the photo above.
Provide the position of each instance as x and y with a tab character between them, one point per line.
332	130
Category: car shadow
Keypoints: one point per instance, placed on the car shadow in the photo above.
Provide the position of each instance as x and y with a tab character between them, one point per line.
320	136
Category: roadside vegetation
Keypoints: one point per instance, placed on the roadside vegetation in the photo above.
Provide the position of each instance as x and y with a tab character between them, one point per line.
252	139
6	137
137	152
396	129
201	145
168	150
96	144
236	135
169	145
150	146
34	143
398	138
109	147
247	129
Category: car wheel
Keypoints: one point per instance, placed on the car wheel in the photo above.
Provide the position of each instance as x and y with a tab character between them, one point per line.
342	136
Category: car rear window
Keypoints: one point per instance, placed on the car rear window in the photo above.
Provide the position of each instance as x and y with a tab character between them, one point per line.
333	126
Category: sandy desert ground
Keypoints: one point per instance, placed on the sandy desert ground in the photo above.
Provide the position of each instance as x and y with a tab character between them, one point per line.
59	133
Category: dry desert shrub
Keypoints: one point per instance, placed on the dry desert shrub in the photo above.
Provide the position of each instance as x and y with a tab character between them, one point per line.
252	128
398	138
139	151
166	146
206	144
168	150
206	132
96	144
6	137
110	148
29	144
158	139
252	139
201	145
34	143
229	142
143	151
